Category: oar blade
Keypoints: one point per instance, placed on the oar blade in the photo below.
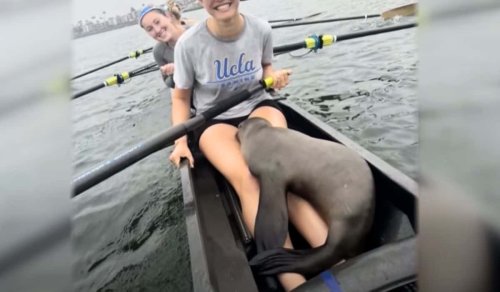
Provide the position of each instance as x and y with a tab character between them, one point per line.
405	10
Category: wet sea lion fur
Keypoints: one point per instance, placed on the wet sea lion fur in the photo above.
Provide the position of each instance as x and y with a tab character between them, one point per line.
335	180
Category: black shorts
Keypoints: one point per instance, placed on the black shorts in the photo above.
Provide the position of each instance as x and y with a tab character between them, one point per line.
194	137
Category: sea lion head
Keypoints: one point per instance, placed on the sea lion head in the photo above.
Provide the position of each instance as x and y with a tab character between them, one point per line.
249	126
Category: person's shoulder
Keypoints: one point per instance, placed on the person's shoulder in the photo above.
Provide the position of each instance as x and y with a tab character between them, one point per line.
159	53
257	22
159	48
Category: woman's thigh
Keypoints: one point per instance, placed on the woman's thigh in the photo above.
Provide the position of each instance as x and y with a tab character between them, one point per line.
219	145
271	114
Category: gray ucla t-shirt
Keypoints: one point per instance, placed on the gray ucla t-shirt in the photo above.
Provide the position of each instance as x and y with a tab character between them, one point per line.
216	69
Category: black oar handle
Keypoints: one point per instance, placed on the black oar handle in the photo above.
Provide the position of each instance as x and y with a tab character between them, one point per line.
162	140
138	152
228	103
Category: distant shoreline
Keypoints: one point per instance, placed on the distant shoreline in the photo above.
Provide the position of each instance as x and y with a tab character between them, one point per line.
82	35
122	25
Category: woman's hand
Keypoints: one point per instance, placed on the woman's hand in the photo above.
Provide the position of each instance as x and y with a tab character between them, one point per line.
167	69
280	78
181	149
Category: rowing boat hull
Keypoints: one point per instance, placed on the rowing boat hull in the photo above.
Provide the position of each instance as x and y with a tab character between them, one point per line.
220	244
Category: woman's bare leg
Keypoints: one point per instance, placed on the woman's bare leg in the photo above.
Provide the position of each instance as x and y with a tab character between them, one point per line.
225	155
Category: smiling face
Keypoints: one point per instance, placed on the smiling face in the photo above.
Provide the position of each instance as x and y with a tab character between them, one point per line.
221	10
160	27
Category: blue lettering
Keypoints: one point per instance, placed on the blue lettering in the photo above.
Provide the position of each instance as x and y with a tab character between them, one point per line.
225	70
234	70
240	64
226	75
218	70
249	66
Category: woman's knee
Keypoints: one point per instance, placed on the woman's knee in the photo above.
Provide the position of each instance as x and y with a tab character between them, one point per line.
220	147
271	114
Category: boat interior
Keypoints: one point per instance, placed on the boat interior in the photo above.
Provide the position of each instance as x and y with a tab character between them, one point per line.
221	245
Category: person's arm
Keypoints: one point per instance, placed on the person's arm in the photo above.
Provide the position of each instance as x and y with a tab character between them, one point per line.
181	100
280	77
181	104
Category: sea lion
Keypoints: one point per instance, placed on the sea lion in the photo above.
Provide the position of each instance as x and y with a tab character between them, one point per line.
334	179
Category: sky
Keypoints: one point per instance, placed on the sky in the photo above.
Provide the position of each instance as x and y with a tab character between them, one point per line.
84	9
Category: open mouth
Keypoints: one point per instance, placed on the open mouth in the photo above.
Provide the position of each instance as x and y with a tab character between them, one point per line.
223	7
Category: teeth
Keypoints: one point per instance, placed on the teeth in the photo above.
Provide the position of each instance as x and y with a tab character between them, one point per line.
223	7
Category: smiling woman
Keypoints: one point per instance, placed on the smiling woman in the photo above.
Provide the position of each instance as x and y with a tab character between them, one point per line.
165	28
237	52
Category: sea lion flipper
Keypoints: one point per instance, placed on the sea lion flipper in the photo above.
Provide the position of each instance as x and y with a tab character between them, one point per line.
271	224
